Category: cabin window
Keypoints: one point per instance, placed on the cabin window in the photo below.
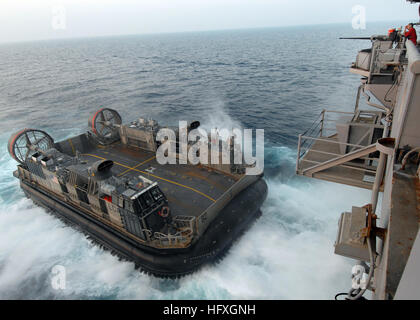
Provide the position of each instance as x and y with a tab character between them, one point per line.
156	194
147	199
144	201
141	203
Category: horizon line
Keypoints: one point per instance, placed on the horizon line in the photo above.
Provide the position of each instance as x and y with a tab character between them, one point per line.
180	32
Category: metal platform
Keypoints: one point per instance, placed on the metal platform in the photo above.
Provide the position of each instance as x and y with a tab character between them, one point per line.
323	155
324	149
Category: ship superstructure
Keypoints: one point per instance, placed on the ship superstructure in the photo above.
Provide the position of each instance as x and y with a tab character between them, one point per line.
376	148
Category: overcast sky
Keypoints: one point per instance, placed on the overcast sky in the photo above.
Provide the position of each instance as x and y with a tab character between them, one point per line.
41	19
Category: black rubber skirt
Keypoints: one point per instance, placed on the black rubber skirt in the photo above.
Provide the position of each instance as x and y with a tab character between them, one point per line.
227	227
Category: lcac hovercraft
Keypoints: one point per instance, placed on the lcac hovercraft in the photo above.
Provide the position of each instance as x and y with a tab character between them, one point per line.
167	219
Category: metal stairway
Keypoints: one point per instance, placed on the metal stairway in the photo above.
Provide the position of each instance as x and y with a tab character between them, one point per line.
339	160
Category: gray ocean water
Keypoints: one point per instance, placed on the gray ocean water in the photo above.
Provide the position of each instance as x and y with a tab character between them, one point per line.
276	79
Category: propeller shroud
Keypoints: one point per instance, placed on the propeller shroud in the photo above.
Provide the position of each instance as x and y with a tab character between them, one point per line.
104	123
26	142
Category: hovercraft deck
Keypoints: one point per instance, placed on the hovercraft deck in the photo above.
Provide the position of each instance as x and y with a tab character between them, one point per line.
189	189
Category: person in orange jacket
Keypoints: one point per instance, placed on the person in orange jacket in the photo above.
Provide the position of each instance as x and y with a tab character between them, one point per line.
410	33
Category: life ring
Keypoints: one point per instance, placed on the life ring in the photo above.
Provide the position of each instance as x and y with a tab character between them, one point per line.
164	212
